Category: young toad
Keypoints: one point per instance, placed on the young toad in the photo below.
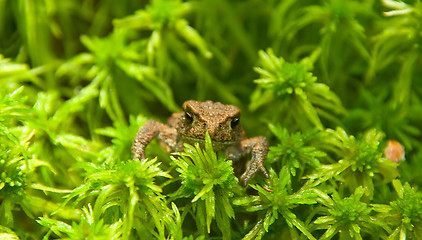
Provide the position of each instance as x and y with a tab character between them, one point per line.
223	125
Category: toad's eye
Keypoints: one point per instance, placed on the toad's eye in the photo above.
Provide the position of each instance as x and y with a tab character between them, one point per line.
188	117
235	121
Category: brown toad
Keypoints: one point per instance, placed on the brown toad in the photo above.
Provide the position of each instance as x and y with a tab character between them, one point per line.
223	125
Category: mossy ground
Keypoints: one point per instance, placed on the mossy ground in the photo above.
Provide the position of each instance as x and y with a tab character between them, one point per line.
328	82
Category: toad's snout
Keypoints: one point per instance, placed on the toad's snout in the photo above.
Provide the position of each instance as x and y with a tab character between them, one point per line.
219	132
212	130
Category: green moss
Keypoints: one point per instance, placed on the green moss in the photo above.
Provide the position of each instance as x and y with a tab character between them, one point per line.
328	82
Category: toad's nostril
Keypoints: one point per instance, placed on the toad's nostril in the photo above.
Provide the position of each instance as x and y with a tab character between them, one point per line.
220	125
205	124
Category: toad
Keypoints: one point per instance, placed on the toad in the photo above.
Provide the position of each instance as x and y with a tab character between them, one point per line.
222	122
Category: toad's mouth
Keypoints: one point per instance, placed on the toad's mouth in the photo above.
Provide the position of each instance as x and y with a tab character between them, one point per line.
215	144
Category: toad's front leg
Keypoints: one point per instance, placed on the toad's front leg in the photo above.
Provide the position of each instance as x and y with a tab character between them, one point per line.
258	147
147	132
